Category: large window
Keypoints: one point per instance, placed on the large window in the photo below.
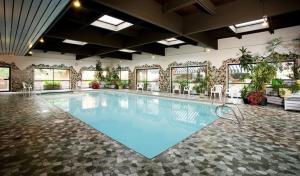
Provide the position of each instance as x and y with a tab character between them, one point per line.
4	79
149	77
87	77
49	79
123	75
187	74
236	73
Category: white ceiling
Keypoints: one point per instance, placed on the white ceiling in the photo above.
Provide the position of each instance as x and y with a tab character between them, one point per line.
23	22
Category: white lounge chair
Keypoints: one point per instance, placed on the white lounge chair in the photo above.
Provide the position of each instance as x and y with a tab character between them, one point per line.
216	89
177	88
292	102
188	90
140	86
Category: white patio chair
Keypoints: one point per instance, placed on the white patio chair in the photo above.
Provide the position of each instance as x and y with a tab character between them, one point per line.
155	88
26	87
233	93
78	85
177	88
149	87
140	86
216	89
188	90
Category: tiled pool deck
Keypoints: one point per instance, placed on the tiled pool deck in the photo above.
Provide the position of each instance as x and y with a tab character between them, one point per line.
39	139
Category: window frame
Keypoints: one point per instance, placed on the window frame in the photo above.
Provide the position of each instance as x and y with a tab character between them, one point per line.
69	80
187	74
146	69
227	80
84	80
9	78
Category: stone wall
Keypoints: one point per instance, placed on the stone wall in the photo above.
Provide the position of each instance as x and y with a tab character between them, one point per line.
27	75
217	75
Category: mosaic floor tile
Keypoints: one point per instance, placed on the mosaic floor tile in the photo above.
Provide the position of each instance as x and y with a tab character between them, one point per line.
39	139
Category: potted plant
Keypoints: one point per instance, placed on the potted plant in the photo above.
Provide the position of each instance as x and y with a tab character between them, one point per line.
183	84
145	85
257	98
114	79
262	74
201	87
121	84
245	93
95	85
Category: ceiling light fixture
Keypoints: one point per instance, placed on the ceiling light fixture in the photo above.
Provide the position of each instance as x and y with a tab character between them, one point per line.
127	50
30	45
250	25
265	23
76	3
265	17
74	42
30	52
42	40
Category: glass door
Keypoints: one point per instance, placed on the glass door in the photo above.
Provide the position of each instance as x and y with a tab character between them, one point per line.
4	79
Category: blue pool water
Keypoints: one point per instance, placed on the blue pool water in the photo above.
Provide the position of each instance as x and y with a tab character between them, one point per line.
149	125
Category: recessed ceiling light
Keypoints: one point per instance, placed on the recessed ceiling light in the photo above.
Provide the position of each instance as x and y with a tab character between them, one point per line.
111	23
30	52
207	50
76	3
74	42
127	50
170	41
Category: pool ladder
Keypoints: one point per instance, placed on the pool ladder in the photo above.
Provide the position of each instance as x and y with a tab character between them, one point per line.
229	109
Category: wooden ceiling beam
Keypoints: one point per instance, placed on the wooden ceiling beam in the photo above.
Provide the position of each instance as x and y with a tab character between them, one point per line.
90	36
204	40
207	5
150	49
237	12
174	5
117	55
151	12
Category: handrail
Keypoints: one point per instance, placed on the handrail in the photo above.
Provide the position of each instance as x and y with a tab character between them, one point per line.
226	107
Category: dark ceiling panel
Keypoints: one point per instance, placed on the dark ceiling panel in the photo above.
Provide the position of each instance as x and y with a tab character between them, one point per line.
150	24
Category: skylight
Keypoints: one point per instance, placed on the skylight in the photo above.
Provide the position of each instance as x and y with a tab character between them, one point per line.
170	41
127	50
74	42
110	20
250	26
111	23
